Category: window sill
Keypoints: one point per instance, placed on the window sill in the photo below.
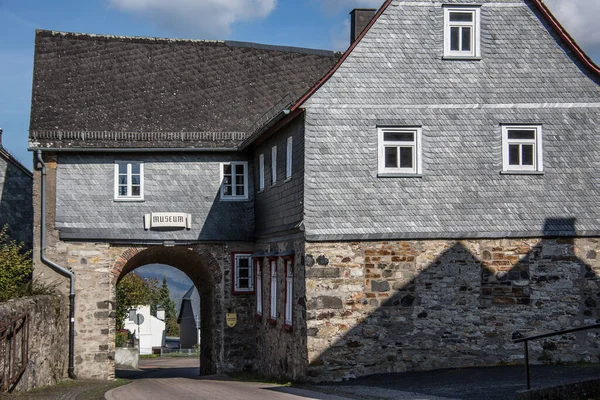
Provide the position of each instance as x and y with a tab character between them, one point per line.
272	321
462	58
260	191
126	200
238	292
521	172
287	328
397	175
234	199
258	317
289	178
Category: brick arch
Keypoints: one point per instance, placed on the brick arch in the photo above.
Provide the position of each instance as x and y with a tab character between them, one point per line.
200	264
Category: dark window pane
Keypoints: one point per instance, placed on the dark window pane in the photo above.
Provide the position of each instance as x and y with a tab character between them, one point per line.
122	190
513	155
461	16
239	169
122	179
239	179
406	157
135	179
454	38
122	168
227	169
527	154
240	190
398	137
135	191
227	180
466	39
521	134
243	273
227	190
135	168
391	157
243	283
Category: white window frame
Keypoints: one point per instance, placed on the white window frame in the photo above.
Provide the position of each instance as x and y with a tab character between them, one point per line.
273	294
236	273
475	25
234	196
416	145
129	196
288	159
261	172
538	154
289	291
274	165
259	294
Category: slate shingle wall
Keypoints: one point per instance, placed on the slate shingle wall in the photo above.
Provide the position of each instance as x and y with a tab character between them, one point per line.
16	208
396	76
279	207
173	183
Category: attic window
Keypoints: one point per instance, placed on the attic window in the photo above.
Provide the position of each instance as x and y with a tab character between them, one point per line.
461	32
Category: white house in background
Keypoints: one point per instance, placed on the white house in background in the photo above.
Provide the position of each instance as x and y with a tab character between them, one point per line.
151	330
189	319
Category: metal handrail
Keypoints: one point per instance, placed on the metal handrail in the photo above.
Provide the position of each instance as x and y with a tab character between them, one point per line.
526	341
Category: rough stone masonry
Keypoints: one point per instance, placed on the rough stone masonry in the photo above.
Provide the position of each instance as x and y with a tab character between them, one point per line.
377	307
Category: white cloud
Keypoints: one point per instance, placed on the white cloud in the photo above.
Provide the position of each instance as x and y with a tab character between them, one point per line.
208	17
580	18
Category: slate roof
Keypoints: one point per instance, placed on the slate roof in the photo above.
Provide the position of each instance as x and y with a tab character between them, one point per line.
110	91
193	297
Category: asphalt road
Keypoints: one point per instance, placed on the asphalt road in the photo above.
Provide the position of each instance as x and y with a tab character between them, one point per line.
177	378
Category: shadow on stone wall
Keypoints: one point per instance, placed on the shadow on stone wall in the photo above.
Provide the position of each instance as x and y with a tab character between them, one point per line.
16	203
437	304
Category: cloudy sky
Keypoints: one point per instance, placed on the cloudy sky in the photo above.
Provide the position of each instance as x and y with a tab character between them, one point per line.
304	23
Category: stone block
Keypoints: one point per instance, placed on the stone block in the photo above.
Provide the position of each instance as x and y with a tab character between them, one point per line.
325	302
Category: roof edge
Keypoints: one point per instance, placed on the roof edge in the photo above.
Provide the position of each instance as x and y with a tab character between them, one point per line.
344	57
10	158
152	39
564	34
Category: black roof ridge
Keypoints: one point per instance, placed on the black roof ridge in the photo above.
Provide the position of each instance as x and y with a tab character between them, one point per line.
152	39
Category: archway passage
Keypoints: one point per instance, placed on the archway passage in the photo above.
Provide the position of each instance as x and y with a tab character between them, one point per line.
202	268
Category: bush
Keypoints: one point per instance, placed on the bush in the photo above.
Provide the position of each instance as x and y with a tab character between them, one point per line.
122	338
16	267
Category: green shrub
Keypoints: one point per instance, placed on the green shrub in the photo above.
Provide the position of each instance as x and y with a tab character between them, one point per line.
16	266
122	338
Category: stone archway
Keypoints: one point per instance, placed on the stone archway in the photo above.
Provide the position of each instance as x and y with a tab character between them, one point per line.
202	268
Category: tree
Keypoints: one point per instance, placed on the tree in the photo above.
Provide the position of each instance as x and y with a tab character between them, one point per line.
133	291
16	266
165	301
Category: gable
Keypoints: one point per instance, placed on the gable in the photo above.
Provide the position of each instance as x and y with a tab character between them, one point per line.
529	19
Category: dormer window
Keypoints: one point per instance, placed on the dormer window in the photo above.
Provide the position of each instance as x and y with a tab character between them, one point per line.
461	32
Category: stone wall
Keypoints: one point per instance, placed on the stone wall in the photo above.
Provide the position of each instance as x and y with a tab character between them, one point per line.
394	306
281	350
48	338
